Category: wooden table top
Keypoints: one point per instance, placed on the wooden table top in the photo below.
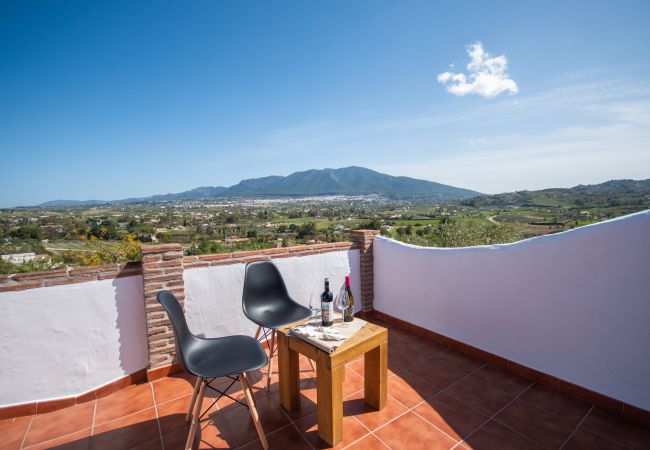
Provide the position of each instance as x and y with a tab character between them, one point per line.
363	340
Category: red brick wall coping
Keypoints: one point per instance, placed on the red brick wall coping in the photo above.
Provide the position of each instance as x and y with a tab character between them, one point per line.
30	280
221	259
604	401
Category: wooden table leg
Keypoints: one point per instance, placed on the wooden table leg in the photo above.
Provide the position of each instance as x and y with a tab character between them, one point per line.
289	373
329	391
376	375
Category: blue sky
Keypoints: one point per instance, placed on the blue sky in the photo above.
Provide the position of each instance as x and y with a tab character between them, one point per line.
108	100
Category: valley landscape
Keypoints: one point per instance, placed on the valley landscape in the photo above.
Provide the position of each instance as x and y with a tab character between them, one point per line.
305	207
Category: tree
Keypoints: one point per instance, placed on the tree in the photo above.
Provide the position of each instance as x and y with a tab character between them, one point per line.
30	231
456	233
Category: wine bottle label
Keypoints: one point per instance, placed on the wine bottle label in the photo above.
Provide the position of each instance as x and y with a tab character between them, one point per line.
327	310
348	314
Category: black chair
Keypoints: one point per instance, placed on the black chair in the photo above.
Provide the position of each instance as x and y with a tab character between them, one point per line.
208	359
266	302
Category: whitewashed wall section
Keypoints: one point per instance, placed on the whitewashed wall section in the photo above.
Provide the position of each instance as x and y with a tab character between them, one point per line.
62	341
575	305
214	294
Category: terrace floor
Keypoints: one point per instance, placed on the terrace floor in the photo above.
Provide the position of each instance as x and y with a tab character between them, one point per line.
438	398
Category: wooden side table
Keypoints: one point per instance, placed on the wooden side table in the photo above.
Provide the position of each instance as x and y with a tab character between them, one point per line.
371	341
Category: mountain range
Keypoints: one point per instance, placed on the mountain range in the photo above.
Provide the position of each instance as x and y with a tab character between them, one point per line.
345	181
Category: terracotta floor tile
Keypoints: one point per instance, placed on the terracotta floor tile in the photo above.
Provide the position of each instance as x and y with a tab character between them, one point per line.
60	423
370	442
240	423
358	366
171	415
451	416
426	347
503	379
493	436
584	439
156	444
539	426
126	432
259	381
124	402
478	395
618	429
169	388
555	402
308	403
352	431
235	390
397	336
212	434
409	389
402	357
410	432
437	374
458	360
370	417
353	382
74	441
13	431
287	438
215	433
306	373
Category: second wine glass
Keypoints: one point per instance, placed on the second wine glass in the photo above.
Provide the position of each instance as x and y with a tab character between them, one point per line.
343	302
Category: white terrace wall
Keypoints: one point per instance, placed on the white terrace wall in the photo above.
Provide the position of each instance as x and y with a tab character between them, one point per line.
213	295
61	341
575	305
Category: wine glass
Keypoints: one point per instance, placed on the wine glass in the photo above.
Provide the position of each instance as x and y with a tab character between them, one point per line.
314	305
343	302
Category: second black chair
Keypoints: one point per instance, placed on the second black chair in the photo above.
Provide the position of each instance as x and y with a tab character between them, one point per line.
267	303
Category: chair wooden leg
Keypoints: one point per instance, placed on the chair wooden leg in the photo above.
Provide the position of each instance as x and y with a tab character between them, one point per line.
271	351
197	385
195	417
257	333
251	406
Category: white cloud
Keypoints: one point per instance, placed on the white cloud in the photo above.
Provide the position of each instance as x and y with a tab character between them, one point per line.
487	75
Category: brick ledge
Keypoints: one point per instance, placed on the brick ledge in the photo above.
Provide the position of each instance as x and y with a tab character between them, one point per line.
70	275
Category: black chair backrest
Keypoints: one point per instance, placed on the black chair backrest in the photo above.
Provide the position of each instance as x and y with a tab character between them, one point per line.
263	288
184	338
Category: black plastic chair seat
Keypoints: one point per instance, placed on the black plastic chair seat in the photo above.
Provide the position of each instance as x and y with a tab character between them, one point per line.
277	314
266	300
218	357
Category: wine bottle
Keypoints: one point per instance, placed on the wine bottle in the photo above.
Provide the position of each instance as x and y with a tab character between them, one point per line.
348	314
327	305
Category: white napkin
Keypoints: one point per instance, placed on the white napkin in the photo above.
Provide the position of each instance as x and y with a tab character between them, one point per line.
316	331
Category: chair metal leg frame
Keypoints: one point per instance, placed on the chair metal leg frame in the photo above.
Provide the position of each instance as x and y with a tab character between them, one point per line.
197	400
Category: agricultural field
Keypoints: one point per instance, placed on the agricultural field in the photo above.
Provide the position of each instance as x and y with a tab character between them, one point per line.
71	236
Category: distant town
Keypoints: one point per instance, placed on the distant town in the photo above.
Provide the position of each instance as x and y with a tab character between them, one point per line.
43	238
